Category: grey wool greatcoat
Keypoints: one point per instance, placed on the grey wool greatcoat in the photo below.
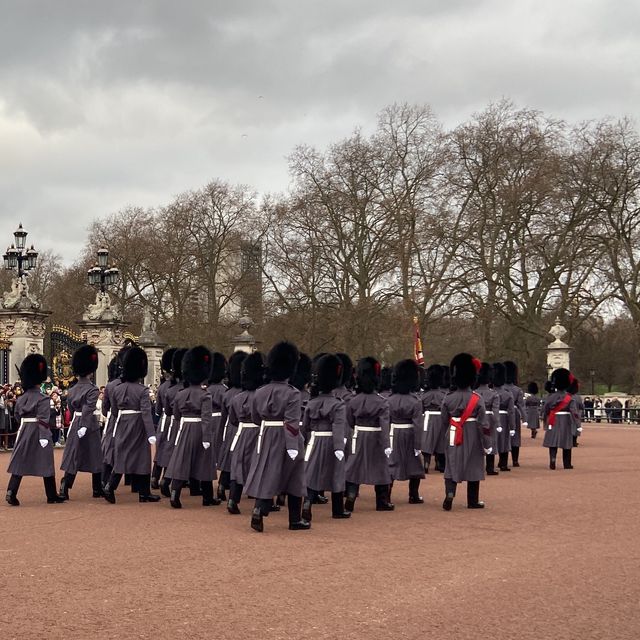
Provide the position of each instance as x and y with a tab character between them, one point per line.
323	427
243	446
83	454
346	395
432	438
111	413
561	434
193	425
465	462
132	451
228	431
507	421
164	444
406	427
532	406
367	463
163	422
492	408
521	412
29	458
276	407
217	392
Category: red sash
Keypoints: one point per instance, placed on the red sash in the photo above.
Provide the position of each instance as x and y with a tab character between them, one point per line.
561	406
466	414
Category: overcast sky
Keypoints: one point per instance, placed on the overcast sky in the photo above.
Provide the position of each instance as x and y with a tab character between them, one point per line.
109	104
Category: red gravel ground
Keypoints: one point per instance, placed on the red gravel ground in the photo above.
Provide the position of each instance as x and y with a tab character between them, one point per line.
554	555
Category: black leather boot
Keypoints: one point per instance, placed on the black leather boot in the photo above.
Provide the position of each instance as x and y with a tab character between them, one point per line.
195	487
566	459
503	461
12	498
257	523
165	487
450	494
490	465
350	500
176	490
337	506
473	496
296	521
382	498
414	491
306	510
50	490
96	485
64	487
208	499
222	494
515	456
553	452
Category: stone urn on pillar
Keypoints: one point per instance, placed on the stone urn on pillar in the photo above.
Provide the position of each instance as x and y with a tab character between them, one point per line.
245	341
558	352
153	345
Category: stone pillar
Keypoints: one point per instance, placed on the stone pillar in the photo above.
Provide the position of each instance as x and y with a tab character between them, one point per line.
245	341
25	330
107	337
153	345
558	352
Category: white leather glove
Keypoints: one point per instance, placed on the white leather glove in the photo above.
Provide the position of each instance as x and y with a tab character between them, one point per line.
151	439
499	429
512	433
345	441
387	451
579	429
293	454
206	445
525	424
43	442
416	452
489	451
82	432
339	454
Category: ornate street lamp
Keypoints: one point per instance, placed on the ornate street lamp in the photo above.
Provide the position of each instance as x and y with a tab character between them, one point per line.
102	275
17	258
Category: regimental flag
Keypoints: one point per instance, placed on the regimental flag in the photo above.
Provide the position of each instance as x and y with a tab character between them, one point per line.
417	343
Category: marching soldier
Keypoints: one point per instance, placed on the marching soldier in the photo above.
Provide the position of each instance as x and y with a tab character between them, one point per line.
431	402
492	407
511	377
217	390
560	414
532	406
506	425
161	412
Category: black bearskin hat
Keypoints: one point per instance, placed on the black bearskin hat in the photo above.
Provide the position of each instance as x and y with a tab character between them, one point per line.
464	370
446	377
532	388
167	359
196	365
33	371
574	386
347	370
218	368
176	364
282	361
386	374
548	387
406	376
498	374
561	379
135	365
252	371
367	375
302	377
328	371
435	376
511	372
114	370
485	373
85	360
235	369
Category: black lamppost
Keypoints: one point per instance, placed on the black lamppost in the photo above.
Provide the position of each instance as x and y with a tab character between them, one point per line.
592	373
102	275
549	371
18	257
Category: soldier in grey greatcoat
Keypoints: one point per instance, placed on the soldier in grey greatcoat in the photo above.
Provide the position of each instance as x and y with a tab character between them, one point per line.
323	428
229	430
164	447
506	426
511	377
492	406
163	419
194	429
406	428
532	407
432	399
82	451
278	464
243	446
468	433
33	449
217	389
368	419
560	415
133	432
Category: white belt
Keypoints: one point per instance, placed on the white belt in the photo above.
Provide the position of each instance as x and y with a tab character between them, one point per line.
123	412
312	440
453	429
216	414
106	424
395	426
489	413
427	415
241	426
162	421
184	420
358	428
169	429
504	412
24	421
264	425
563	413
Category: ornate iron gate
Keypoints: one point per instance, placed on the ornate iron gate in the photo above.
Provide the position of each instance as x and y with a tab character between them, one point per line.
63	341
